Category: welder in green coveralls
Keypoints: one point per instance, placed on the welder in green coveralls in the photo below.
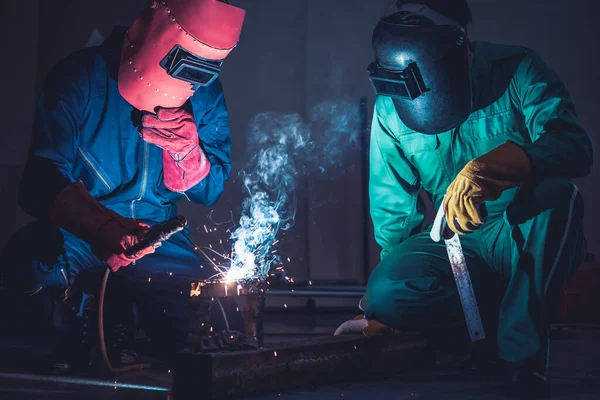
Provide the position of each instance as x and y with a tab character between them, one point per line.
471	123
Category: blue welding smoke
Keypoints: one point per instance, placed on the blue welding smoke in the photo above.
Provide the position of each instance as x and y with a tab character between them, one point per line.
285	148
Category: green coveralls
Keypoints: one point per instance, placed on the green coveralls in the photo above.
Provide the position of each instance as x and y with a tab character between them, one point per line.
532	241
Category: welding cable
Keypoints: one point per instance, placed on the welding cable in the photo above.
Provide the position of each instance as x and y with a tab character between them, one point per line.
101	340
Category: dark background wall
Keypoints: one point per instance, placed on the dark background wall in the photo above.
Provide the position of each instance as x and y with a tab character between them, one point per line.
293	55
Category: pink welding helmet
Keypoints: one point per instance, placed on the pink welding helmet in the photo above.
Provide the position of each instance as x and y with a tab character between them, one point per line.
175	47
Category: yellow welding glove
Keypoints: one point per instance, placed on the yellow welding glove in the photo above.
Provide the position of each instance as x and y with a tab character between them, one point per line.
484	178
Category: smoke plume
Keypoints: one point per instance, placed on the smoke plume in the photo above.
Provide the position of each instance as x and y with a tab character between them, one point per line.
285	149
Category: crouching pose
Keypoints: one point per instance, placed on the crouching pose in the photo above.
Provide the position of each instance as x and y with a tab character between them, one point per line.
471	123
122	132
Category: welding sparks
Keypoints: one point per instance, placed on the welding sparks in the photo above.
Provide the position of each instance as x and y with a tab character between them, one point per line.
282	151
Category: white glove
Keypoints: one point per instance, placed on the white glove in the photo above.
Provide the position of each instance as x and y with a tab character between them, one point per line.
353	326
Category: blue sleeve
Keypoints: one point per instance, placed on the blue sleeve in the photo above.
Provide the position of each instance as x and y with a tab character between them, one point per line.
215	139
54	139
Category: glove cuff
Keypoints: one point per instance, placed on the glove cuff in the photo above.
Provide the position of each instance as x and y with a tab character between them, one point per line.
184	173
504	167
77	212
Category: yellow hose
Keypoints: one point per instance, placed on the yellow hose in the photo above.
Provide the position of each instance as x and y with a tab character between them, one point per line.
103	351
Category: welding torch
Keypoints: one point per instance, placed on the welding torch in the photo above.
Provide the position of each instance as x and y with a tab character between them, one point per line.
158	234
154	237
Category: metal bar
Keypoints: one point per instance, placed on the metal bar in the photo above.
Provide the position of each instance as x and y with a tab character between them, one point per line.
303	363
316	293
81	381
342	288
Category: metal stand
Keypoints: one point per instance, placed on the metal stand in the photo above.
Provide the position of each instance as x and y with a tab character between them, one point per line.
202	338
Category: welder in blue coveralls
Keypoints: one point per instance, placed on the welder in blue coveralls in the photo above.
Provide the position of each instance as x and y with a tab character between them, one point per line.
122	132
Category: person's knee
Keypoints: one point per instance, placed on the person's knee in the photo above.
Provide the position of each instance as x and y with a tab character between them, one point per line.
377	297
32	259
560	193
558	196
389	300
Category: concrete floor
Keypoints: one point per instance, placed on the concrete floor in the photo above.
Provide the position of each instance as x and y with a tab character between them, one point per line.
575	372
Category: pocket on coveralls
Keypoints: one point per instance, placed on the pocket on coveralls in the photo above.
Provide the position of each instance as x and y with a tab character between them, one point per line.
422	151
416	143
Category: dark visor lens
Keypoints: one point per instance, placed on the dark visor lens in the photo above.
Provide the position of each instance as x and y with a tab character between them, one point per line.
391	88
181	64
190	73
407	84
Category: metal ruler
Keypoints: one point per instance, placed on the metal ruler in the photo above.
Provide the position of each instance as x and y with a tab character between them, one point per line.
458	263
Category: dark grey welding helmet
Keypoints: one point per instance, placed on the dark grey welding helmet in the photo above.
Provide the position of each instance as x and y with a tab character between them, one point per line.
424	68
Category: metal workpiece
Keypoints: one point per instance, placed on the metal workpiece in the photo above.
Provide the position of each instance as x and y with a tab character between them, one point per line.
292	364
250	296
253	312
440	231
218	288
201	330
465	288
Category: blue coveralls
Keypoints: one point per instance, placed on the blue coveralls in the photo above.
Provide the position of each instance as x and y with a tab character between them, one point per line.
84	130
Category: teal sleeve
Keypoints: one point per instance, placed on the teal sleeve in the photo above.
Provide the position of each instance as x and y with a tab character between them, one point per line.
394	186
560	145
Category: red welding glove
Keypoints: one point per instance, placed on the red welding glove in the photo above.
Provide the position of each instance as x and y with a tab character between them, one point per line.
108	233
174	130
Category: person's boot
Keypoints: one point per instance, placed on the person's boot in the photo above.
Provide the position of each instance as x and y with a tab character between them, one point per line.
121	346
525	383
